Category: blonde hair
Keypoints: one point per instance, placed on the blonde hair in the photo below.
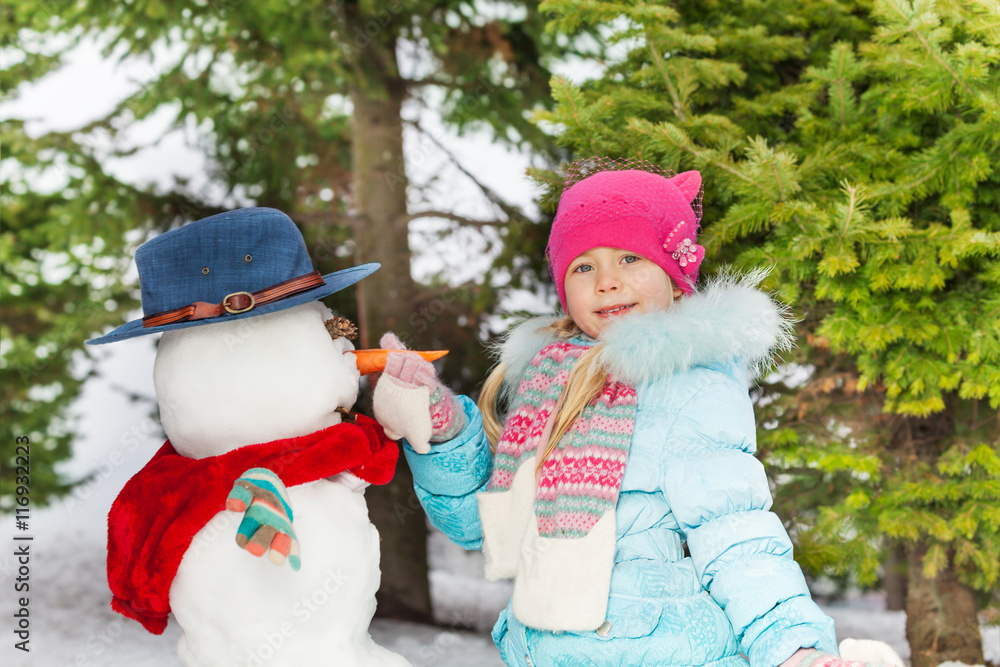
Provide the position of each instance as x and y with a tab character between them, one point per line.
585	383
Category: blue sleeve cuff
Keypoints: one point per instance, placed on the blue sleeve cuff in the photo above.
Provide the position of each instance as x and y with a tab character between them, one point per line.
800	624
456	467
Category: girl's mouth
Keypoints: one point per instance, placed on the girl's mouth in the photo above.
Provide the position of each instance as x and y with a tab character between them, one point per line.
614	311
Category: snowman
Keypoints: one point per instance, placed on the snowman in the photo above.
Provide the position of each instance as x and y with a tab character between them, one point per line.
255	380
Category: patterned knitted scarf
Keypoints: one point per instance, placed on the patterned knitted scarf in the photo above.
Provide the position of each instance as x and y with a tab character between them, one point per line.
581	478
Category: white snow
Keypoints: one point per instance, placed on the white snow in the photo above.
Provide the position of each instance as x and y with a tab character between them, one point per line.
233	384
70	616
72	623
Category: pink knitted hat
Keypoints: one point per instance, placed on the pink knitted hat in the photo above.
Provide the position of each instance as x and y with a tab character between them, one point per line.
631	209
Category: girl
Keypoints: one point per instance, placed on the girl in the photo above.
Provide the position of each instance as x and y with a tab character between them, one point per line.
621	494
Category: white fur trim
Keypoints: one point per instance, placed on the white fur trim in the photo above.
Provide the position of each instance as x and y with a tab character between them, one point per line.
563	584
727	319
870	651
404	412
505	516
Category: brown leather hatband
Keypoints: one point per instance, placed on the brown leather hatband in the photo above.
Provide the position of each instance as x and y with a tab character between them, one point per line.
237	302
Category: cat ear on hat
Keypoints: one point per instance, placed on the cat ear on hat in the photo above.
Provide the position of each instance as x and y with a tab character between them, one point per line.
688	182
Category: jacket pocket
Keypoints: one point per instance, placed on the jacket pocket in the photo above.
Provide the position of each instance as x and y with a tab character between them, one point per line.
627	616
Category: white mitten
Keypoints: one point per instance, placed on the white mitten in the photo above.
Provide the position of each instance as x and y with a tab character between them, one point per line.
410	401
871	651
404	412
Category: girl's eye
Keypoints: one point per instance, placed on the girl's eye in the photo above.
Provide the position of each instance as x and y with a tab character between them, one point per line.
630	259
583	268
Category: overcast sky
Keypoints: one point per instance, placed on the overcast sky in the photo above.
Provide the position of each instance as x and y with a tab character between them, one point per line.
89	85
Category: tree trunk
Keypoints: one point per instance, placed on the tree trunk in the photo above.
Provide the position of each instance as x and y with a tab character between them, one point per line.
380	203
941	613
941	620
385	303
895	578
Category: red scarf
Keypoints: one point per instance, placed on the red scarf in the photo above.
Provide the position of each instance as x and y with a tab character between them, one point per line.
159	511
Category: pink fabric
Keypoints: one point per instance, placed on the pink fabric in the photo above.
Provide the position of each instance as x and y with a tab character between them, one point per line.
411	369
581	479
447	417
805	657
634	210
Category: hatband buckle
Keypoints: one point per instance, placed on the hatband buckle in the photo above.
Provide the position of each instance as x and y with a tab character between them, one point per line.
235	309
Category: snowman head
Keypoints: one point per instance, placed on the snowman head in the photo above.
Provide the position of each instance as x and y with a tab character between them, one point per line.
250	381
245	357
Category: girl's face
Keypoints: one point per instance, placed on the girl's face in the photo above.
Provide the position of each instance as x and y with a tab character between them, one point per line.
605	283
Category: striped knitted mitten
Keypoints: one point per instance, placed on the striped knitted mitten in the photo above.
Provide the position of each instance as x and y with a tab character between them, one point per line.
403	411
267	522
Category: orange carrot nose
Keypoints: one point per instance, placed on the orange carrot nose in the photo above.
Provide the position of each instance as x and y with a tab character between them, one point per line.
373	361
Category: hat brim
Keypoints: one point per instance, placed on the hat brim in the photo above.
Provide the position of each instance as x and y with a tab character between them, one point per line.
333	282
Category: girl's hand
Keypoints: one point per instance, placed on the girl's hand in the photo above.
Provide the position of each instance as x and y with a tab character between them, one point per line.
410	402
853	653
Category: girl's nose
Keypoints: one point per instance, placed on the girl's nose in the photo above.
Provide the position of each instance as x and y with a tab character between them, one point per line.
608	281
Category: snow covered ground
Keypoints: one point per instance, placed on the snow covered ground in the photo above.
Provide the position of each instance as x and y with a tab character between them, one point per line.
72	624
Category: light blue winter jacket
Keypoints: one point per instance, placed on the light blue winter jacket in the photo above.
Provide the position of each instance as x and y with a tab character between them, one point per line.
691	478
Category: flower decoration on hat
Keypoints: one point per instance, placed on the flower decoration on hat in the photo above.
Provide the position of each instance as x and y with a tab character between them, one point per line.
687	254
684	250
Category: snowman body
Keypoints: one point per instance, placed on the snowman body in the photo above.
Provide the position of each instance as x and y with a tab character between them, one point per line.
245	382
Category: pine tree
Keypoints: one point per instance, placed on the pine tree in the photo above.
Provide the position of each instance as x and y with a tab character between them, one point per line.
296	106
851	147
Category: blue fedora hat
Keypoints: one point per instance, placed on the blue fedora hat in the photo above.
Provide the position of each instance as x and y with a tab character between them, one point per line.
227	267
